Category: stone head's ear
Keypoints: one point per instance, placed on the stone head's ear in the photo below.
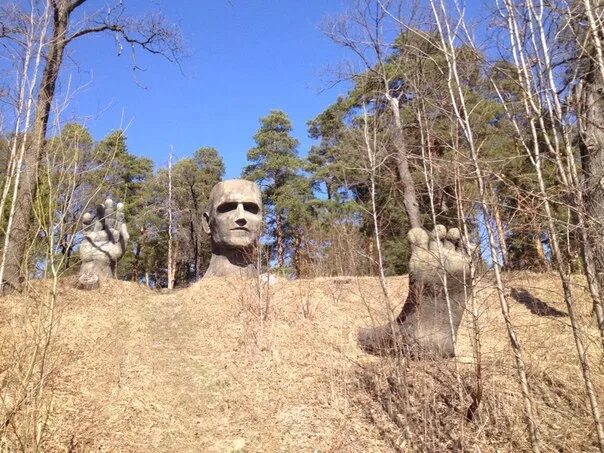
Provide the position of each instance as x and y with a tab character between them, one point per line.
205	222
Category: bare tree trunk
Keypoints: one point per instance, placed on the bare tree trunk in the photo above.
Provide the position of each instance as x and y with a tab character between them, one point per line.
458	101
137	260
175	264
370	147
194	215
194	239
279	235
171	266
402	160
13	176
539	251
503	245
370	255
297	257
15	254
591	121
543	261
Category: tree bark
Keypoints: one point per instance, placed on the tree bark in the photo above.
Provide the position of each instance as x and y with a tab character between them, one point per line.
402	162
15	268
503	245
297	257
195	216
137	260
193	233
171	261
279	235
591	120
543	262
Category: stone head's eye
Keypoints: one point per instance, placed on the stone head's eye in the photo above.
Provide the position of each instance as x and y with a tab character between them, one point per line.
226	207
252	208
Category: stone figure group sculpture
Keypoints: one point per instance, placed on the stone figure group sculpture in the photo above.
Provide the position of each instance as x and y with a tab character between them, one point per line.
439	267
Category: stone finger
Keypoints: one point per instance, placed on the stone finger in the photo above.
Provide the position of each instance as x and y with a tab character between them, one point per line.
109	213
87	222
454	235
418	238
119	216
452	239
99	223
437	235
124	236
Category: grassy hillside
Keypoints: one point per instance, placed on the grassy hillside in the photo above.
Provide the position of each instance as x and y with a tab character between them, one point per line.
229	366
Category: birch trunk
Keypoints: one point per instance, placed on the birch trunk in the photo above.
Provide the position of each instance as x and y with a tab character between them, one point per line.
503	245
171	269
14	268
279	235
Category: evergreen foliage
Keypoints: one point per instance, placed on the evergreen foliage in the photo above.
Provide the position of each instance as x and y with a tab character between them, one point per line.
286	191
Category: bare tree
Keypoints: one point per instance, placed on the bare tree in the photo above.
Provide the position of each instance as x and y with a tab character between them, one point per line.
374	161
457	95
590	118
30	47
362	31
151	34
527	26
171	257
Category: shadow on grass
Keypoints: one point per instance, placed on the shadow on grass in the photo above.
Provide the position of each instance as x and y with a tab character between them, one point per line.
534	304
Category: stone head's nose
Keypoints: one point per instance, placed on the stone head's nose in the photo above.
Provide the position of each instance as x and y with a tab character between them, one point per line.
240	219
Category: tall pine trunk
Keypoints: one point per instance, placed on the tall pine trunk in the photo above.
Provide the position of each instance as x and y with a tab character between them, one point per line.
297	255
402	162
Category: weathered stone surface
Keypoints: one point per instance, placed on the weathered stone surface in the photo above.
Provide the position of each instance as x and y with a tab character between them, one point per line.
88	281
439	273
105	240
234	222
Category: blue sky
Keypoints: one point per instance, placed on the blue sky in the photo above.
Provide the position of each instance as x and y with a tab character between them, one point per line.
246	58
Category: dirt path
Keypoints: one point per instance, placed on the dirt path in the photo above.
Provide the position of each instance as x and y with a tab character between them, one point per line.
199	370
171	381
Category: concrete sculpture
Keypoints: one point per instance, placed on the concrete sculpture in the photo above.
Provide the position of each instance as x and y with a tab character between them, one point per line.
439	274
105	240
234	222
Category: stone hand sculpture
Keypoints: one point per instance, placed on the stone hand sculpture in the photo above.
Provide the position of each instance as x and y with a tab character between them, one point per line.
439	278
104	243
234	222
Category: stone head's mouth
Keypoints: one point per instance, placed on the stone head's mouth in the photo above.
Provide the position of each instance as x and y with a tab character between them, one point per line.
239	229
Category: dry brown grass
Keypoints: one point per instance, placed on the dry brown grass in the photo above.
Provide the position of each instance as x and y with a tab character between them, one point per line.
221	367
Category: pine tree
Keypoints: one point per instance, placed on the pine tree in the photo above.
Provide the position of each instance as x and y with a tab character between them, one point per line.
193	180
277	168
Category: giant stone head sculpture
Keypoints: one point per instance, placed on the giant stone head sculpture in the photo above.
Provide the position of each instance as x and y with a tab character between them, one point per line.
234	222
